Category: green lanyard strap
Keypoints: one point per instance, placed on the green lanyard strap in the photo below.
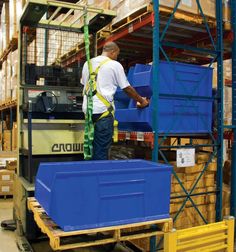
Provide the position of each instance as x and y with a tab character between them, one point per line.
89	127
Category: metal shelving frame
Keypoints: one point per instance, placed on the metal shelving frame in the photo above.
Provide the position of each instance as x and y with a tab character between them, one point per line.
217	54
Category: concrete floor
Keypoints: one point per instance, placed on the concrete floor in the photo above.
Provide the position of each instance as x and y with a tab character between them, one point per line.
7	238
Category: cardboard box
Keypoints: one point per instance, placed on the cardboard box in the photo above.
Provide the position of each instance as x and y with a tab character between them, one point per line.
12	18
189	6
6	175
127	7
11	165
167	3
5	25
202	157
227	14
1	45
7	144
1	100
6	187
208	8
16	8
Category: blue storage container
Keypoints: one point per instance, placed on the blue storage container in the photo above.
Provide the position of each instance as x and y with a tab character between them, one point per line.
177	113
176	78
92	194
176	116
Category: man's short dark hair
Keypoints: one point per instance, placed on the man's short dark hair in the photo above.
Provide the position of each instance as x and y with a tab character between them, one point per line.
110	46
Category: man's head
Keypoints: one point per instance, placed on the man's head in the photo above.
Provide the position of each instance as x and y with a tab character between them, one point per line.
111	50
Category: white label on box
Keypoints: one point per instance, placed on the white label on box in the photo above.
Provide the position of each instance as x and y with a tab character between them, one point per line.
140	136
127	135
5	177
5	188
187	3
185	157
131	28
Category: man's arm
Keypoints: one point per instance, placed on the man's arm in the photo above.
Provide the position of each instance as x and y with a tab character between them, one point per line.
141	101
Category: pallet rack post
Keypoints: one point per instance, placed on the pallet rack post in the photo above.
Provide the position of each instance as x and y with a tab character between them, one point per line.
220	108
233	168
156	55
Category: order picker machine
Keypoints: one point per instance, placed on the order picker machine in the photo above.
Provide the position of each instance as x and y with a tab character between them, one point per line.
49	111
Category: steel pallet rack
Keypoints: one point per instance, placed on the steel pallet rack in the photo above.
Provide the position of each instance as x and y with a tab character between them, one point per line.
216	38
217	54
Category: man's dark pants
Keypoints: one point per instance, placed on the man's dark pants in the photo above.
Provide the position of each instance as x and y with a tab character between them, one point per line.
103	132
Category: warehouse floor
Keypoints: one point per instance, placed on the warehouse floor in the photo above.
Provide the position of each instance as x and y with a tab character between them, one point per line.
7	238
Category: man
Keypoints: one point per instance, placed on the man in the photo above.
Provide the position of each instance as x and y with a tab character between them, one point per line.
110	75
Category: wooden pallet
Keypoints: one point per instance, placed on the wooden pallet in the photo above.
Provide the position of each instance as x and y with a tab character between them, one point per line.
132	17
179	15
12	45
184	16
6	196
8	103
60	240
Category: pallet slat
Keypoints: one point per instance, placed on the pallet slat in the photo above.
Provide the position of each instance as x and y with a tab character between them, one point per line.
115	233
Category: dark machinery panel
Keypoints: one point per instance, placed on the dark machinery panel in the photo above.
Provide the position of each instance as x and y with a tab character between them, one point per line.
52	75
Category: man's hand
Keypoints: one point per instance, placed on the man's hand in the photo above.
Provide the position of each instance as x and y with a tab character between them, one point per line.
144	103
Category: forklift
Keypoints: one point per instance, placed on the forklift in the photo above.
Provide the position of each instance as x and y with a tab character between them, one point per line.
49	110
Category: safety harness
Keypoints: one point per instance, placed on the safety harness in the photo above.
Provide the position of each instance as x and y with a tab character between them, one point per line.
93	77
89	91
89	124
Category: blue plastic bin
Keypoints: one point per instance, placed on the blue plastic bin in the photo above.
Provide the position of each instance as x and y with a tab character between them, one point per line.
178	114
175	78
92	194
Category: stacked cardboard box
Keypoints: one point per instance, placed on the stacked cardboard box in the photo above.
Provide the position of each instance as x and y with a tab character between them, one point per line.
227	71
7	135
189	217
209	10
16	8
126	7
4	80
205	203
226	187
1	90
8	78
228	105
5	25
8	74
188	6
14	74
6	182
11	165
226	199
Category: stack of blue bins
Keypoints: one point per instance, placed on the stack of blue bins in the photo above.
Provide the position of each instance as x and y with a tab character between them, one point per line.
184	105
92	194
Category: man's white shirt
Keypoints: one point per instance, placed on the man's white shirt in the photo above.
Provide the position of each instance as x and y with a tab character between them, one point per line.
110	76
